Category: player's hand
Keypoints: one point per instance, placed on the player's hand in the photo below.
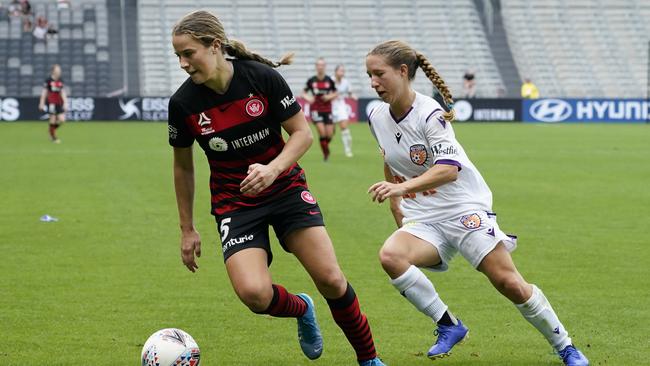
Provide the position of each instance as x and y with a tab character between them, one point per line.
259	178
190	245
41	107
381	191
309	98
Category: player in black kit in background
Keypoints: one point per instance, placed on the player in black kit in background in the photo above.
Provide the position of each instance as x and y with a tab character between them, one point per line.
235	109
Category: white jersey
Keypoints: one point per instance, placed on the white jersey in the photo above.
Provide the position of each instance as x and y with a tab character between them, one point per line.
343	88
414	144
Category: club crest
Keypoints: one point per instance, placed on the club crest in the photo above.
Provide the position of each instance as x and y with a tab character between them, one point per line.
307	197
418	154
254	107
471	222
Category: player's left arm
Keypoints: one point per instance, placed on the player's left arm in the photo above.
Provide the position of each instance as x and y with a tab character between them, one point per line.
435	177
64	98
261	176
331	93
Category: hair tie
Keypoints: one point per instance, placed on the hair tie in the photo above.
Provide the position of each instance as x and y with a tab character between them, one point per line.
450	106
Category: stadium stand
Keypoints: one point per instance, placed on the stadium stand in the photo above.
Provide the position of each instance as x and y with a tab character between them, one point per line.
581	48
87	48
341	32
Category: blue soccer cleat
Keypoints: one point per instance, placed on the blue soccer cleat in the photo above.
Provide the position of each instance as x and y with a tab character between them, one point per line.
374	362
309	335
573	357
448	337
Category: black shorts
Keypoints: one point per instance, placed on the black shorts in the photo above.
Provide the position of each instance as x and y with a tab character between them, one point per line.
249	228
322	117
54	108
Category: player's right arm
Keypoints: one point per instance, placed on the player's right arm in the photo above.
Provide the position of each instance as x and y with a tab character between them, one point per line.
184	186
41	102
394	201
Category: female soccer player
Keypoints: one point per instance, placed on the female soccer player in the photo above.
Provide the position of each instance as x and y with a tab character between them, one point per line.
340	110
319	91
57	101
441	203
235	109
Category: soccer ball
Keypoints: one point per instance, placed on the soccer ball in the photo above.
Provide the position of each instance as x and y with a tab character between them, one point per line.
171	347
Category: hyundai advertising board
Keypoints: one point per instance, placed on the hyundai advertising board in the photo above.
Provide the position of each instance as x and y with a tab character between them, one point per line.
586	110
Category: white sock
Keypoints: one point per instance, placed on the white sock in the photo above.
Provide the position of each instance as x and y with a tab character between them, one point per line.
417	288
538	311
346	136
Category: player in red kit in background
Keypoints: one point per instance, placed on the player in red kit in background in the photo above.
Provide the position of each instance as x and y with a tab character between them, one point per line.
320	91
57	101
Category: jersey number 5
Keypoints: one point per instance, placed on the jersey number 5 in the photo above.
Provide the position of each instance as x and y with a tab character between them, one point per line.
224	229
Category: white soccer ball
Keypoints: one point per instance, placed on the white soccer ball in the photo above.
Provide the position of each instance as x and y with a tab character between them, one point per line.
171	347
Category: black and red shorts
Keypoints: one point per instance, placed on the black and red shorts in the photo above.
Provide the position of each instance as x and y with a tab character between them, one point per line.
321	117
55	108
249	228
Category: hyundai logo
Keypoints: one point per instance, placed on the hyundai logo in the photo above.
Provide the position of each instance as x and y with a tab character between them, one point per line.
550	110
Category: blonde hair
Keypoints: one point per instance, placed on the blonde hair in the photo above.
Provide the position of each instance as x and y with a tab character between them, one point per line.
206	28
399	53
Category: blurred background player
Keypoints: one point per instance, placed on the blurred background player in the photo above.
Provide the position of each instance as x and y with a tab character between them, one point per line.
441	204
57	101
236	109
341	110
469	84
319	91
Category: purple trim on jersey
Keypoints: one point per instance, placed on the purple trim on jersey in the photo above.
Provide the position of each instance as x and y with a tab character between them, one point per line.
401	119
449	162
431	114
370	115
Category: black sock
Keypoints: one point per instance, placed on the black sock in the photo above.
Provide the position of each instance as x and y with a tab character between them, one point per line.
446	320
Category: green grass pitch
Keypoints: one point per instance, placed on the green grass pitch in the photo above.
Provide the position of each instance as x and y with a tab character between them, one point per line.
90	289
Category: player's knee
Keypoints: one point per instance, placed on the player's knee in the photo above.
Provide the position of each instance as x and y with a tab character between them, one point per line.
256	297
331	282
514	288
390	257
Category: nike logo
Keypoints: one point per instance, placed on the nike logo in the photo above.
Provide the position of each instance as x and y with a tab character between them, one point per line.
556	330
314	212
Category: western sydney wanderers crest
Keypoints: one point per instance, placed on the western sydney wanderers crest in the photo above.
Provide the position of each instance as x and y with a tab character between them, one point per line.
307	197
418	154
254	107
471	222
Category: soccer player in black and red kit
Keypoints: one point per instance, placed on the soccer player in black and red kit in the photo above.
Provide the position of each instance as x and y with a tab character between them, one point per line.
57	101
320	91
235	109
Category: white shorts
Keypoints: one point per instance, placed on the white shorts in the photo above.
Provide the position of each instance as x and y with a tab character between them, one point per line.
474	234
340	112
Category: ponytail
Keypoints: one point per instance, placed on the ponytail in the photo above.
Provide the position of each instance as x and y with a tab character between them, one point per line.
437	81
238	50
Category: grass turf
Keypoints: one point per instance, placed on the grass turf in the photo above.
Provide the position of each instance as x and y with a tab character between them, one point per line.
90	289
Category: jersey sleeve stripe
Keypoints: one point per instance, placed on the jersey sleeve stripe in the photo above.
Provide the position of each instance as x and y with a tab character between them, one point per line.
449	162
431	114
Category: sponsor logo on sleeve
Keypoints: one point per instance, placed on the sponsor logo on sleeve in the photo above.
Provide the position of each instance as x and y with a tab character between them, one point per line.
287	101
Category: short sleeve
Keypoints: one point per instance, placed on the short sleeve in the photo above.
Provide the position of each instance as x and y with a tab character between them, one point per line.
179	133
282	102
444	147
332	84
308	86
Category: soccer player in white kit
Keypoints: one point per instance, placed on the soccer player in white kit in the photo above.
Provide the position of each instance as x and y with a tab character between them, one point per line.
441	204
340	109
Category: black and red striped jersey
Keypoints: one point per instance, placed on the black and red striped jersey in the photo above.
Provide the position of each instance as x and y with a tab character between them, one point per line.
237	129
318	88
54	88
